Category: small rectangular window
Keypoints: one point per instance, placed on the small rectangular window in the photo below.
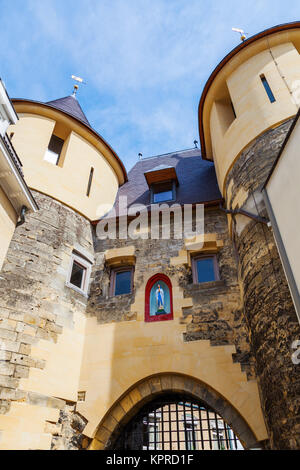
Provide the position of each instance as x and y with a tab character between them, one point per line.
81	396
54	150
79	274
205	269
267	88
163	192
121	281
90	182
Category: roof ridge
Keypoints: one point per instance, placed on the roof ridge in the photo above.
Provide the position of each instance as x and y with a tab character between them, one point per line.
169	153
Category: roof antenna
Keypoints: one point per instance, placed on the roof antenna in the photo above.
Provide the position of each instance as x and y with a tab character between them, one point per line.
242	33
196	144
79	80
140	156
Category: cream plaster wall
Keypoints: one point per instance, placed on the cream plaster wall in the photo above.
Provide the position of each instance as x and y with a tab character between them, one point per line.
25	427
119	355
283	192
8	220
67	181
255	113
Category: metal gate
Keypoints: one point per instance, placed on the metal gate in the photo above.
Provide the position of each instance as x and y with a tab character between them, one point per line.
177	422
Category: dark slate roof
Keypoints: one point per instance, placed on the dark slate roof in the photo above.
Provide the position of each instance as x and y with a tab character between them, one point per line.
197	179
70	105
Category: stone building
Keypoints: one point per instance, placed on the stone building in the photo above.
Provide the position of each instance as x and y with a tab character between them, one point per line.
175	342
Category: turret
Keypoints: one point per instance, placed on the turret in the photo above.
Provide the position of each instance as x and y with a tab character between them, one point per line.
253	89
74	176
245	112
65	158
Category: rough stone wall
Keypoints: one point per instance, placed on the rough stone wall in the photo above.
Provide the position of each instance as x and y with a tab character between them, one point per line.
217	313
34	300
68	431
269	310
251	169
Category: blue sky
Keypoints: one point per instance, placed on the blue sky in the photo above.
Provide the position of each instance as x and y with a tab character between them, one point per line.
145	61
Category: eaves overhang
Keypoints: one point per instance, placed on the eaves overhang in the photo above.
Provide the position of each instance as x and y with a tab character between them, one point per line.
161	174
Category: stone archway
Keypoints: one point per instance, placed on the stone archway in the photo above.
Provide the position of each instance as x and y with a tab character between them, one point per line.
145	391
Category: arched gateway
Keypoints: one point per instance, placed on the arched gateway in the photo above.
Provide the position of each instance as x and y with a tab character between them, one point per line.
177	422
173	412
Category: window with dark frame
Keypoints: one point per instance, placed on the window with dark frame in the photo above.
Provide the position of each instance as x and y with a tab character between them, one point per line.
121	281
54	150
163	192
205	269
267	88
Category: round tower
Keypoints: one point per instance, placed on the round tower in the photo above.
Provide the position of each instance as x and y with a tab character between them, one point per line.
74	176
64	158
245	111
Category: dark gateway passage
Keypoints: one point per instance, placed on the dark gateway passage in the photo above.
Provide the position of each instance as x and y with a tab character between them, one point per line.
176	422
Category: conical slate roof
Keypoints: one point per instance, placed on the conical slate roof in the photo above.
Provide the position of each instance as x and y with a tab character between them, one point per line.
70	105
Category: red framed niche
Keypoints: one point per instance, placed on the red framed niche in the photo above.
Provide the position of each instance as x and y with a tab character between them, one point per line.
150	284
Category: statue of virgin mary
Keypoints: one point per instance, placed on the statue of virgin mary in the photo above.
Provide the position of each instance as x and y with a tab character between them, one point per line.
160	300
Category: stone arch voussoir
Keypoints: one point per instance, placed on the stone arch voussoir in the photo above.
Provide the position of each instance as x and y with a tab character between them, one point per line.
149	388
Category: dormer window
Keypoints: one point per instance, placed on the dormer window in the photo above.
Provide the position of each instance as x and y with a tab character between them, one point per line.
163	192
162	181
54	150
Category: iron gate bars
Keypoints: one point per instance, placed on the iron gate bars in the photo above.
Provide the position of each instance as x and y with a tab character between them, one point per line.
177	422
